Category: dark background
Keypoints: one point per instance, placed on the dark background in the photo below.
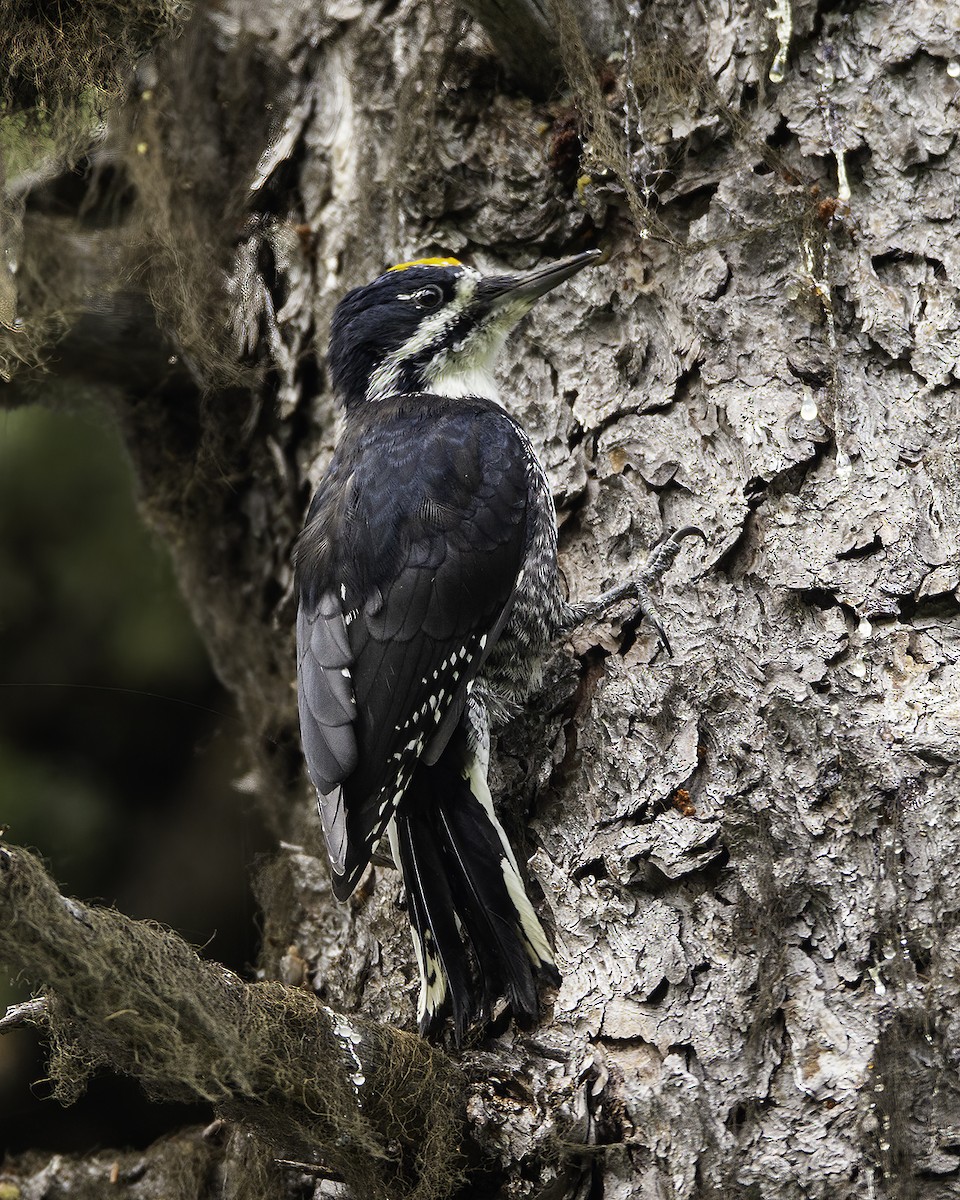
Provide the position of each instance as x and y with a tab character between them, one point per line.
118	750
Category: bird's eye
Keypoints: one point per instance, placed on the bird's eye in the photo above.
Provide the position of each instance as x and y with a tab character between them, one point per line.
428	297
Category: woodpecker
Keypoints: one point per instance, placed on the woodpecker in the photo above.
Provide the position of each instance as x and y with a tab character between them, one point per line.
429	596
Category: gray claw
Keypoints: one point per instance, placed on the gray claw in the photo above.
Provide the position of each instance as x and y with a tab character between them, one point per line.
664	554
661	559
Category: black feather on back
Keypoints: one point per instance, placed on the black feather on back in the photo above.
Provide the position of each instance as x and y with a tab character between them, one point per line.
406	572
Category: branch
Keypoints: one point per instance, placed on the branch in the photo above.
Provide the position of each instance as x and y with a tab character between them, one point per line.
378	1106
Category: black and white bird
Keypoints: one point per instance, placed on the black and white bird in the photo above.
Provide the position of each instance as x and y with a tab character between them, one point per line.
429	595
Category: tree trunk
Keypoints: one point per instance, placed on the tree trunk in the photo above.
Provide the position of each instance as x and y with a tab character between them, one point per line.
745	851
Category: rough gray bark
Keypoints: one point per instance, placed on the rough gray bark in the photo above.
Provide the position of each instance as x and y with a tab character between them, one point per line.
747	851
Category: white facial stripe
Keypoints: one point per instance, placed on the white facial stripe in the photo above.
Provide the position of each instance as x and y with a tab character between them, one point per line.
467	369
467	286
386	378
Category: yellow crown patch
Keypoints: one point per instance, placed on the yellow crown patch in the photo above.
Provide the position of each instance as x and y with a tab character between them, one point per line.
428	262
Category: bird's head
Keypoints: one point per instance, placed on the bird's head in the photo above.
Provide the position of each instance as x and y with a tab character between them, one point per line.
433	325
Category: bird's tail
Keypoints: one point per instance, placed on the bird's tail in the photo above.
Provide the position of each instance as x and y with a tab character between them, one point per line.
463	888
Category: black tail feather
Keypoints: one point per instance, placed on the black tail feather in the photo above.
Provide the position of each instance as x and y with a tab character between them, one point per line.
486	910
463	891
432	916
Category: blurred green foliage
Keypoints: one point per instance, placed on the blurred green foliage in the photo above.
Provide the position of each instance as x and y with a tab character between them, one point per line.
117	747
86	603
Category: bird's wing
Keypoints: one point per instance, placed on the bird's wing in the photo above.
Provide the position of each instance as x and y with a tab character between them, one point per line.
407	570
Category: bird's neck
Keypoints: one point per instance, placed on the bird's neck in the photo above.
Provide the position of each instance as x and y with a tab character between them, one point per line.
456	380
453	381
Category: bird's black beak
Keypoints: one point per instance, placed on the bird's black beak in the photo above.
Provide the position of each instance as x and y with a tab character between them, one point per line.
524	290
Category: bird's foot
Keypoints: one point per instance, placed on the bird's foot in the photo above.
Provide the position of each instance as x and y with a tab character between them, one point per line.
661	559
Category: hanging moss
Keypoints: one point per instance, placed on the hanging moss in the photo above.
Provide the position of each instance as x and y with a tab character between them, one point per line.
190	150
661	85
66	65
70	57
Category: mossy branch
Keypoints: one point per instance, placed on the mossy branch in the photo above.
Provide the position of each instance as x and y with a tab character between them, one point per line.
379	1106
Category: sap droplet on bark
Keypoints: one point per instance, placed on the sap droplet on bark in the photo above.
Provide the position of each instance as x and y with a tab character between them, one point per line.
783	16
